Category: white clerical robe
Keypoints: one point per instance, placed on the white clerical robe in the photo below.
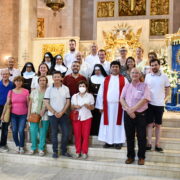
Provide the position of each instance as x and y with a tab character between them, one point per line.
111	133
92	60
69	58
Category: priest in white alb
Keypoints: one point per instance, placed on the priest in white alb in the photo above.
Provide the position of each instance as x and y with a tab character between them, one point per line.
111	129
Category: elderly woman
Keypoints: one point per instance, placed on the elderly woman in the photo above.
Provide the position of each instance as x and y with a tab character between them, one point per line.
134	99
83	102
19	99
36	106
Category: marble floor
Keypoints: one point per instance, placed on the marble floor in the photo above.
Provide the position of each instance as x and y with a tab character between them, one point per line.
14	171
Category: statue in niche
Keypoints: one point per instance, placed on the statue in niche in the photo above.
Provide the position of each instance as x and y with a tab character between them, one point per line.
159	7
158	27
132	7
105	9
40	27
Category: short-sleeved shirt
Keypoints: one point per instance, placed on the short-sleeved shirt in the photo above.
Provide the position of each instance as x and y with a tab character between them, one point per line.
4	92
35	84
57	97
37	102
19	102
134	93
87	98
72	83
157	84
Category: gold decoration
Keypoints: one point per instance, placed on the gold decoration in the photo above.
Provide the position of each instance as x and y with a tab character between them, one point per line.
173	38
105	9
121	35
54	49
159	7
132	7
178	57
40	27
158	27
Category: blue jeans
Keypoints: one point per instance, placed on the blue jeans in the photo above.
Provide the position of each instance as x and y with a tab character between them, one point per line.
18	125
63	123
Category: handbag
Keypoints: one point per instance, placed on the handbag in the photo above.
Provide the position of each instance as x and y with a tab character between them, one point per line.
7	107
35	118
74	115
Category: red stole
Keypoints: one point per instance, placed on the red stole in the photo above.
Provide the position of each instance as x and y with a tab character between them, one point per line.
105	103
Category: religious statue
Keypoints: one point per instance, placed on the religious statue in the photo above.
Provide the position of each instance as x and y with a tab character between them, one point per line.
132	7
121	35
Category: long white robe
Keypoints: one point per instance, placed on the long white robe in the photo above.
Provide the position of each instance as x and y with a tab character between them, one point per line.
111	133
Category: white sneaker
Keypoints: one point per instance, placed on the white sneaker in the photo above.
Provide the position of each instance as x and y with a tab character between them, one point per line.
41	153
84	156
21	150
76	156
17	149
31	152
4	149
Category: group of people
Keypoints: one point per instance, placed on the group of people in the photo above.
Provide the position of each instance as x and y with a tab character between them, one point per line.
112	100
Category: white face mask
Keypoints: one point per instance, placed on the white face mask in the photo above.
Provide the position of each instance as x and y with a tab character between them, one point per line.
82	89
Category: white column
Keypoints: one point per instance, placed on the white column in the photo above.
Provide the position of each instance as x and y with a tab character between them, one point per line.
27	30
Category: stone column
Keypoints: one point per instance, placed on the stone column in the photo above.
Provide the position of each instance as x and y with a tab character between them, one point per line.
27	30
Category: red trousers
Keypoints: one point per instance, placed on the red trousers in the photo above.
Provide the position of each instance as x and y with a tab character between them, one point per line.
81	133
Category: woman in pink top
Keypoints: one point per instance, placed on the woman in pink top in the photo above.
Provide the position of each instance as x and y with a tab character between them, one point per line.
134	99
18	98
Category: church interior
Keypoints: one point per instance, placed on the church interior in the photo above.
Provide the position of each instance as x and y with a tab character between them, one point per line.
30	28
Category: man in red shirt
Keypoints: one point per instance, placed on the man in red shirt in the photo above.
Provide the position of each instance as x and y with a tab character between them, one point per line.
72	80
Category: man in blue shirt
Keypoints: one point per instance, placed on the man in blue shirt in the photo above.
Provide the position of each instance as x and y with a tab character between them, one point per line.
5	86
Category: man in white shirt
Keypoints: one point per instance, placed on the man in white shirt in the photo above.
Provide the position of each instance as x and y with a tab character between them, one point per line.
93	58
103	62
140	63
71	55
57	101
13	71
85	68
159	86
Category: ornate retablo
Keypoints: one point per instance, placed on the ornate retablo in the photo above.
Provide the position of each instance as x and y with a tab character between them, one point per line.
53	48
105	9
132	7
159	7
40	27
159	27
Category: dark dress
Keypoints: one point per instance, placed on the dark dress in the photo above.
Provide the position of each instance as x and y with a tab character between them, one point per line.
93	88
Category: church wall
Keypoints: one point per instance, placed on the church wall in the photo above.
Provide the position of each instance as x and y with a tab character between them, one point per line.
176	16
87	21
9	15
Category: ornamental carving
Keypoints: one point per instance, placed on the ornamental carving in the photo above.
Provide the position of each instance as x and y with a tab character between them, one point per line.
54	49
158	27
40	27
132	7
121	35
105	9
159	7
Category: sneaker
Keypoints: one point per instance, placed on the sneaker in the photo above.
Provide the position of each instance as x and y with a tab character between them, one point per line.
84	156
117	146
129	161
41	153
17	149
67	154
55	155
106	145
4	149
76	156
148	147
158	149
31	152
21	150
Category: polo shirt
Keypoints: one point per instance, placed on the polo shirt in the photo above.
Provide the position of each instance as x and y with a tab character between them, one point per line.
72	83
157	84
57	97
4	92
